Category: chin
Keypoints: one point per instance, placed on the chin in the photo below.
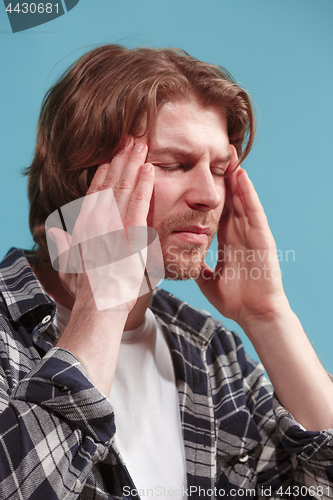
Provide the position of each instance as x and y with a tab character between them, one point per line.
181	271
183	263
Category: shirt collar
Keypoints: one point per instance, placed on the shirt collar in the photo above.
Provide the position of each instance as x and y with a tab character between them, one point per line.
179	316
28	302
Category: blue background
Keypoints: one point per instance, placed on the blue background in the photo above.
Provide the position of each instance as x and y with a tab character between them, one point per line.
279	50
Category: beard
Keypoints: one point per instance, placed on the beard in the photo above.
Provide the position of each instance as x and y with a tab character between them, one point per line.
184	261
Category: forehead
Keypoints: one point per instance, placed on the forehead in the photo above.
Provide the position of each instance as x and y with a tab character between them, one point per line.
189	125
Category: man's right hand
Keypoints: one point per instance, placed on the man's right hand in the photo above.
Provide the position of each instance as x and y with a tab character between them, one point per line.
92	335
119	196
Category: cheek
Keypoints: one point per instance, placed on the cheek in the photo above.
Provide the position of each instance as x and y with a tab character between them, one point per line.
223	193
157	201
162	201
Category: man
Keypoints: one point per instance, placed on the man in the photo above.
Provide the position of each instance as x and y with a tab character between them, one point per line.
153	398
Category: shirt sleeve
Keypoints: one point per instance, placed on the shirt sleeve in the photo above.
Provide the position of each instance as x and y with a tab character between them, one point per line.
291	462
263	451
54	425
312	454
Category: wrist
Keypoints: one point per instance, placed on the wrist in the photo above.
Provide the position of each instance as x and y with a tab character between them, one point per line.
275	319
86	305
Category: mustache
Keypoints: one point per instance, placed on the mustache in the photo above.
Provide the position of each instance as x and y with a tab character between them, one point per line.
193	218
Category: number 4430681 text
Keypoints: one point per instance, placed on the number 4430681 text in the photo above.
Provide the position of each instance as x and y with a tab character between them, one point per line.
33	8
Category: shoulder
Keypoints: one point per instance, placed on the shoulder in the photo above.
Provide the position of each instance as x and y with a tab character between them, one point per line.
203	345
178	314
200	329
20	290
24	306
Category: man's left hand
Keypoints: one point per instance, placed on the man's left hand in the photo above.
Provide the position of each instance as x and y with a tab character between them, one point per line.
246	283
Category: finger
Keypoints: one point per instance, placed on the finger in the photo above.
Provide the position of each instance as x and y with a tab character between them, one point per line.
139	204
247	203
95	187
118	163
129	178
102	218
106	177
59	250
99	178
205	276
119	182
234	162
232	169
230	180
108	173
235	201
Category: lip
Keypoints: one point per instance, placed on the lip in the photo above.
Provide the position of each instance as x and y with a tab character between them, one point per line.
193	234
194	229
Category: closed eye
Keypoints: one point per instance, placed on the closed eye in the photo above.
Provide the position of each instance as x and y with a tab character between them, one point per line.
219	172
171	169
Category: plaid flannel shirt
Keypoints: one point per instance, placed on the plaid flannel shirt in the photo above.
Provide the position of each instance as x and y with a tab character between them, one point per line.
56	428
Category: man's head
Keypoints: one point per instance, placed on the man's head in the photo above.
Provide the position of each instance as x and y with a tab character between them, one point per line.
108	94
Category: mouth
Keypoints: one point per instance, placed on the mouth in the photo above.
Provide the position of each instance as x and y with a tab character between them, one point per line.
194	229
193	234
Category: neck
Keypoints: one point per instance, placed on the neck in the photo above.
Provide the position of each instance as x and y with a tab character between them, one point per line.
50	280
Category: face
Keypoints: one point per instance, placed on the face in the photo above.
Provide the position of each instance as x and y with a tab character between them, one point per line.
189	147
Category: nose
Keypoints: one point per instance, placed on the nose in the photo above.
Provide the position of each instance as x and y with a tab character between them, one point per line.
205	191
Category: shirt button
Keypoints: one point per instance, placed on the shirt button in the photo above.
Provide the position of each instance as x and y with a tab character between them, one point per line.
243	458
46	319
77	485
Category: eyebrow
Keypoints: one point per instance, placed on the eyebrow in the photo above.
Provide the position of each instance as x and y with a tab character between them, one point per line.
182	153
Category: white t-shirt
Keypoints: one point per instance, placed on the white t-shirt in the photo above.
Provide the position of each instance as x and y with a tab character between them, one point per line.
145	401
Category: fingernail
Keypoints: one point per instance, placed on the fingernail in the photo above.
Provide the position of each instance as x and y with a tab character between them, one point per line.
138	147
146	167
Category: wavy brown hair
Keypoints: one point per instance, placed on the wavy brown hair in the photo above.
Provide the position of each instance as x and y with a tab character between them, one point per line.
106	95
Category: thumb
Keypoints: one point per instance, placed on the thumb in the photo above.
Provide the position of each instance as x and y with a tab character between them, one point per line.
205	276
59	243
